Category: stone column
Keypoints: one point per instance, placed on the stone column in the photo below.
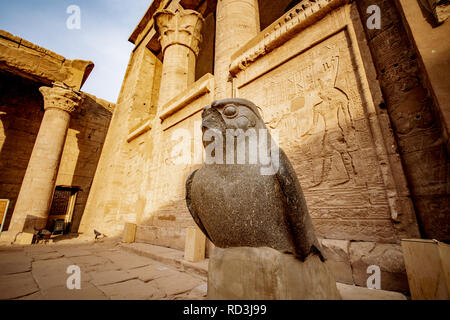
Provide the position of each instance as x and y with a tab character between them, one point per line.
237	23
180	38
35	196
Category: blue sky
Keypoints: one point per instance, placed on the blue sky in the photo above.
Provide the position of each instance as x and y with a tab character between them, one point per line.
103	38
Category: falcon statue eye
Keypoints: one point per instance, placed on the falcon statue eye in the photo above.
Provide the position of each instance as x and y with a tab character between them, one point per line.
230	111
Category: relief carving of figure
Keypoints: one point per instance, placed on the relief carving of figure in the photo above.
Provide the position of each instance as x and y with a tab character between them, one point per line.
332	105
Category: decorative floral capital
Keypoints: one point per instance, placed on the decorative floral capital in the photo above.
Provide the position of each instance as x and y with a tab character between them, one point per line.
182	27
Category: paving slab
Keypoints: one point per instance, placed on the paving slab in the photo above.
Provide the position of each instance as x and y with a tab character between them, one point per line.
153	272
110	277
87	292
37	248
73	252
35	296
89	261
132	290
45	255
128	261
174	285
168	256
17	285
52	273
15	262
108	266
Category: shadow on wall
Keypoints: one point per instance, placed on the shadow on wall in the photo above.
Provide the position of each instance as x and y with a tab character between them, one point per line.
21	112
90	126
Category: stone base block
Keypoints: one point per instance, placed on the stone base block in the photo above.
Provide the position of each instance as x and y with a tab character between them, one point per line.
428	267
195	245
24	239
7	237
267	274
129	233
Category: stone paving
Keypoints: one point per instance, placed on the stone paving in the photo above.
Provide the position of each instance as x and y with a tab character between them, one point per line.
107	272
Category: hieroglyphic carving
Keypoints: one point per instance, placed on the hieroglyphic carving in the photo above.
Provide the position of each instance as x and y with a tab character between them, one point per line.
314	100
298	18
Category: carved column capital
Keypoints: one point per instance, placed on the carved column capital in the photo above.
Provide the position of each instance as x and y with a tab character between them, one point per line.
61	97
182	27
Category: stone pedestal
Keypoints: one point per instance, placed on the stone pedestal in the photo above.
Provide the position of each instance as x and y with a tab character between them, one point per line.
237	23
180	37
129	233
35	196
430	280
266	274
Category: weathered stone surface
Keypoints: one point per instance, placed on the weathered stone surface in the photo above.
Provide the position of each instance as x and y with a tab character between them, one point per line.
388	257
89	261
17	285
179	48
152	272
109	277
70	252
46	256
52	273
427	265
34	200
349	292
14	263
266	274
337	257
87	292
31	61
132	290
173	285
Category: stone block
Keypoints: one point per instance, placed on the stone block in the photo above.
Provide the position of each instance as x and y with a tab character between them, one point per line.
388	257
24	238
267	274
349	292
338	259
129	233
195	245
430	280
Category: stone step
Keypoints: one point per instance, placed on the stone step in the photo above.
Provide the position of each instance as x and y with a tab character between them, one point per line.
350	292
169	256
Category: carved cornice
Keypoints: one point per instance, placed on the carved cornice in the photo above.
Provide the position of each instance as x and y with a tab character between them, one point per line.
61	97
298	18
182	27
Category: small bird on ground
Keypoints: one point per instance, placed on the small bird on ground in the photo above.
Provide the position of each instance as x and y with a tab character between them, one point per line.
97	234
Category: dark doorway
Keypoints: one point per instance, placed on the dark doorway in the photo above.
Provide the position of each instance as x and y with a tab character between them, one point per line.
62	207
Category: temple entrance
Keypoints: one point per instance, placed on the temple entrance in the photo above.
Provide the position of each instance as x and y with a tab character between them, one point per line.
61	210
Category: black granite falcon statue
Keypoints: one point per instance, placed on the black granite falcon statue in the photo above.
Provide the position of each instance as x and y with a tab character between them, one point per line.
236	203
